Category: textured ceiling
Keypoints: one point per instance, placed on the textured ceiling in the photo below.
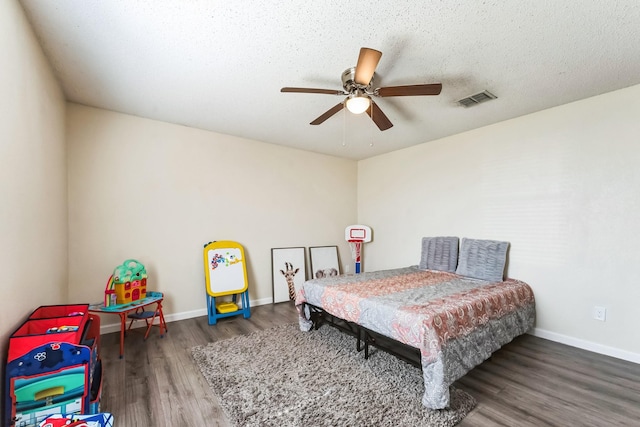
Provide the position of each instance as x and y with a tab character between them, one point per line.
219	65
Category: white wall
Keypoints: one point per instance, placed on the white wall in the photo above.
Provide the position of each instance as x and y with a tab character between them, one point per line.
562	185
157	192
33	186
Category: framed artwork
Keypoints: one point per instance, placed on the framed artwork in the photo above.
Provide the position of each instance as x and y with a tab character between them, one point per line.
288	272
324	261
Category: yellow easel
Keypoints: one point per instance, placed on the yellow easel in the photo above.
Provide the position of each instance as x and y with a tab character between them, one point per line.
225	274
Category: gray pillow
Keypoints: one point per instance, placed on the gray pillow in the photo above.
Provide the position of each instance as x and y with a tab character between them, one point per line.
482	259
439	253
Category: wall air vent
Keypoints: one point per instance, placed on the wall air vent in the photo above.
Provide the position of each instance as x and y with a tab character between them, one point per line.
478	98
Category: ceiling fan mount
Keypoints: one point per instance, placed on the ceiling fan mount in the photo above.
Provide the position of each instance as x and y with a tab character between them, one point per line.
357	83
349	83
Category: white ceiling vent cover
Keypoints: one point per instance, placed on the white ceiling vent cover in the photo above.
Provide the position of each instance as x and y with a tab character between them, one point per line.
478	98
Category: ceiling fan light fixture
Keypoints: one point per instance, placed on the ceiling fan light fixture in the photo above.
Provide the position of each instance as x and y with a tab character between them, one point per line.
358	104
357	84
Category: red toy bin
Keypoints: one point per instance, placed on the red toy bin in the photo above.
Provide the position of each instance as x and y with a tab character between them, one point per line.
33	333
48	311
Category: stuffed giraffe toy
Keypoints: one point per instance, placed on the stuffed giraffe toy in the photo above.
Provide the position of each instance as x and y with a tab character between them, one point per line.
288	274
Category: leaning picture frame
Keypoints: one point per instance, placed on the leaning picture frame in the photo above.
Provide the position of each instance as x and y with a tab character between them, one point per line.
288	272
324	261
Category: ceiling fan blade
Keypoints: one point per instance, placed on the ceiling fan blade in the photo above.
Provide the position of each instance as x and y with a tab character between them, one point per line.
367	63
410	90
311	90
328	114
378	117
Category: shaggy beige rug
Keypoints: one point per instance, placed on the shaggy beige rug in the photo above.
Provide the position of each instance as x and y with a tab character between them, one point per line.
285	377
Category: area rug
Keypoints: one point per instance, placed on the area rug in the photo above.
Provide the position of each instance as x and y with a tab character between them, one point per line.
285	377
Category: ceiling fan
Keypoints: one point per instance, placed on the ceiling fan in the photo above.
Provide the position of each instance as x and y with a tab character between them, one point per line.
357	83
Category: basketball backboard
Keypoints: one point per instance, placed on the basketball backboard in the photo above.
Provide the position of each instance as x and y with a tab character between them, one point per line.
357	232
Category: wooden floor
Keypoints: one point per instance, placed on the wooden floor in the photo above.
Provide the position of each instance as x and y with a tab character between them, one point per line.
529	382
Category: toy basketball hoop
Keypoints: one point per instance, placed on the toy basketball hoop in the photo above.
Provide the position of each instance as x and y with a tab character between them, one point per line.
356	235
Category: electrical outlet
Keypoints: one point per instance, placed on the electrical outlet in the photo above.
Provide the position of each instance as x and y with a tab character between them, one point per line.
347	269
600	313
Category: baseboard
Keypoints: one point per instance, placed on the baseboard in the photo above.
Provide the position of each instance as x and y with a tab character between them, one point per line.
115	327
263	301
587	345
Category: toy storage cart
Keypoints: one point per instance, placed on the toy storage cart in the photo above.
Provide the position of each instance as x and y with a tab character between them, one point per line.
53	365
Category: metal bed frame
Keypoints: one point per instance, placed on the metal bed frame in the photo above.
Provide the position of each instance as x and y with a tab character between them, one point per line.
365	337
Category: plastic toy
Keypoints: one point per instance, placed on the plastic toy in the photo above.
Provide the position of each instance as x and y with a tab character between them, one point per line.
128	283
356	235
97	420
63	328
225	274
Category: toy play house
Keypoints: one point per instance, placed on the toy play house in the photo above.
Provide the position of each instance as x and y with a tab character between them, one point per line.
127	284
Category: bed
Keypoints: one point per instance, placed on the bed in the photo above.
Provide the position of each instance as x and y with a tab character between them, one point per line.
452	319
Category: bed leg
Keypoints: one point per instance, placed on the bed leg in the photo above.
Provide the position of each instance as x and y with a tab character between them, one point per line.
365	338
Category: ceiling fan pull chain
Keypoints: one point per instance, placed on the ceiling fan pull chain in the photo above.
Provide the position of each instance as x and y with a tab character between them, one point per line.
371	130
344	127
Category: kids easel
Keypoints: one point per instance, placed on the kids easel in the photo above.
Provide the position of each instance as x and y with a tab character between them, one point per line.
225	273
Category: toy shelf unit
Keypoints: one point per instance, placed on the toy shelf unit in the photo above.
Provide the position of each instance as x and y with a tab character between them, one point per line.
53	366
225	272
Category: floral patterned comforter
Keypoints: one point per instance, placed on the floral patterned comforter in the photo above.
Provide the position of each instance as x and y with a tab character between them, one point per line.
457	322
